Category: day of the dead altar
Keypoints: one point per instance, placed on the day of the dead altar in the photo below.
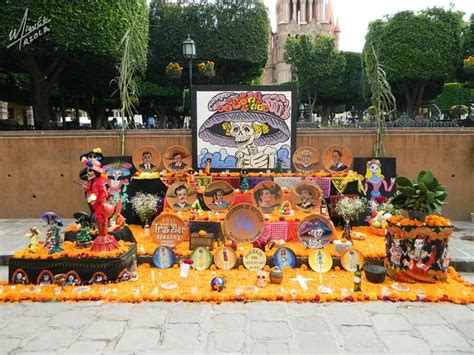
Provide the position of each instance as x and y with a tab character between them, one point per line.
304	224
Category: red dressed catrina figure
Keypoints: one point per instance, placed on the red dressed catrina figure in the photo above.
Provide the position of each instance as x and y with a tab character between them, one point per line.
96	195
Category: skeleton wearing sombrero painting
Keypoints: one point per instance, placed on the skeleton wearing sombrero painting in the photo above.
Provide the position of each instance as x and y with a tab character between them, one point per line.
254	126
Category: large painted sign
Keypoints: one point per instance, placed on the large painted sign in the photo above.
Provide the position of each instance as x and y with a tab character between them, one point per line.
244	127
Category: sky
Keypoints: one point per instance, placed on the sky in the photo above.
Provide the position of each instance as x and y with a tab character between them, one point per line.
354	15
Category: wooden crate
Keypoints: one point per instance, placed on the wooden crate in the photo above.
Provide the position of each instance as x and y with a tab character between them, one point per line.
197	241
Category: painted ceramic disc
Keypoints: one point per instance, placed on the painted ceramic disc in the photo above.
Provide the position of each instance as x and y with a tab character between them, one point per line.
163	257
177	159
168	229
202	258
180	196
306	159
146	159
316	231
255	259
267	196
352	258
284	257
225	258
320	261
244	223
337	158
306	196
219	195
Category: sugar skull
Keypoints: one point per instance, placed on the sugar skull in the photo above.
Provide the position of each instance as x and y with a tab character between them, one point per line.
262	278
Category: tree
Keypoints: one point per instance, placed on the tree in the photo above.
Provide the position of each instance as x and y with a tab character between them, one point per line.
420	51
233	34
318	68
468	38
351	86
81	32
454	94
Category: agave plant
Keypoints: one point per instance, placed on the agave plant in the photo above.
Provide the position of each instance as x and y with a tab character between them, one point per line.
424	195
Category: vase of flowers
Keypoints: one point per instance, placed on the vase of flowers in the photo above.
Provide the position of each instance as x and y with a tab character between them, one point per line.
174	71
349	209
207	69
145	205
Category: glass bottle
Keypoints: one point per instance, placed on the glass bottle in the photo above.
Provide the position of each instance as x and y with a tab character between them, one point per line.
357	280
346	231
146	229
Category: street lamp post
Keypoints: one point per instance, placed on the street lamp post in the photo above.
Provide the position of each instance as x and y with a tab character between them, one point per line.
189	52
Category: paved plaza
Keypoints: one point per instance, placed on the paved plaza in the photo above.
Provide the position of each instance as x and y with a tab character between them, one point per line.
251	328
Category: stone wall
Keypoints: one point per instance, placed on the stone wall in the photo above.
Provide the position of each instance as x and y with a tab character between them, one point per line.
38	169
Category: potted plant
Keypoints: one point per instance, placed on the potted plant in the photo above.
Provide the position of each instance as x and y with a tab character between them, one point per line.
419	197
349	209
174	70
207	69
145	205
417	246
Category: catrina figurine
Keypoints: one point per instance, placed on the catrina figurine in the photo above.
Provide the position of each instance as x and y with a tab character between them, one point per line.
83	237
96	195
53	223
94	154
207	169
244	180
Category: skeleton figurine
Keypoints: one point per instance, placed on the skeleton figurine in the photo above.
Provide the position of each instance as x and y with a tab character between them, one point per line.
248	154
418	245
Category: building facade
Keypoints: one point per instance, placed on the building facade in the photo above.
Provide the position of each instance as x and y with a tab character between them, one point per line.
296	17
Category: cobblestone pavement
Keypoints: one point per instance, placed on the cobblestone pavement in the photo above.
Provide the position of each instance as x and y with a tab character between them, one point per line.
253	328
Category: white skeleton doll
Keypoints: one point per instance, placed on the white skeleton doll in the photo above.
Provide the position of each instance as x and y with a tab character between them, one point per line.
248	154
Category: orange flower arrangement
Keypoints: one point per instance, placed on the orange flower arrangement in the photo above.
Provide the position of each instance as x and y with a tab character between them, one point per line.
404	221
70	251
437	221
241	287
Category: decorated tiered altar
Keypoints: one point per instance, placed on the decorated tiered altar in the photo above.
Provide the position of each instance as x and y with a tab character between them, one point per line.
245	217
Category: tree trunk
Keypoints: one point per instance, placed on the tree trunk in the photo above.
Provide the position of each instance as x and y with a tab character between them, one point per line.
412	95
42	79
312	104
63	112
40	91
325	113
98	110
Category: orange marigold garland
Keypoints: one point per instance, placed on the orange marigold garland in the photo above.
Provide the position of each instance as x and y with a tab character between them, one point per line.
241	287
